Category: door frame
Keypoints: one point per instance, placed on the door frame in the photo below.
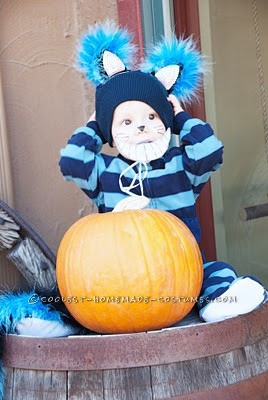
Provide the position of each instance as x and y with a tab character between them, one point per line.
186	20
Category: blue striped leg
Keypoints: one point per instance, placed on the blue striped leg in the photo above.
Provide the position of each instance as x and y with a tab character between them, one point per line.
224	295
218	276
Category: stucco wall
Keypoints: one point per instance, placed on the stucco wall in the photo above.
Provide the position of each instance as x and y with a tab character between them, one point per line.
45	99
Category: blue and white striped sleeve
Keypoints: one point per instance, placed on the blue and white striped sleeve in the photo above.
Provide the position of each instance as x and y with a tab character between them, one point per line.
202	150
81	161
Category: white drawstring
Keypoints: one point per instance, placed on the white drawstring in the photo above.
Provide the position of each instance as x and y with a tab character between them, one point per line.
141	175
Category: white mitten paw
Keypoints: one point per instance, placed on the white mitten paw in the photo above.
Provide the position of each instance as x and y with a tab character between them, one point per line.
37	327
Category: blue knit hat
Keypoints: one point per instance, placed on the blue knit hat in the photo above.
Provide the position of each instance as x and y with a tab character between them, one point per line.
127	86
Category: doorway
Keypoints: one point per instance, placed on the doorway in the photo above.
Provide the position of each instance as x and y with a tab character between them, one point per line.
234	34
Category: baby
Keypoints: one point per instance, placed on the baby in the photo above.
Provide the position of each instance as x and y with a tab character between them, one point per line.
136	112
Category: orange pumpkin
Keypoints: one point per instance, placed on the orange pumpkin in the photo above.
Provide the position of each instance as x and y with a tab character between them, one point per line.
129	271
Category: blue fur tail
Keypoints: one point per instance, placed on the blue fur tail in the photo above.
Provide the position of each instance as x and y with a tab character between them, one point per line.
14	307
185	54
101	37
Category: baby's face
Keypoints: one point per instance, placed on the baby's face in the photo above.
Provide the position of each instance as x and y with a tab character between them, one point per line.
138	132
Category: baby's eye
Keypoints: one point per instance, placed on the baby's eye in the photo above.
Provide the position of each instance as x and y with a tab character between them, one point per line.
127	122
151	116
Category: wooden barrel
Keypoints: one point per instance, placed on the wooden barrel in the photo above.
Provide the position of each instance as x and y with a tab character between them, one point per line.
203	361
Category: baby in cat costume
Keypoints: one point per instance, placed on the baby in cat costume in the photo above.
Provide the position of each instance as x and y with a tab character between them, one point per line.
137	111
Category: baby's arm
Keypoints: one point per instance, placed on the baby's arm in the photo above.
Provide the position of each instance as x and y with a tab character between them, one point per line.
200	150
81	161
175	104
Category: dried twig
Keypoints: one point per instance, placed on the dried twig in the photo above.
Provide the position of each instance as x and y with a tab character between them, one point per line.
8	231
34	266
28	252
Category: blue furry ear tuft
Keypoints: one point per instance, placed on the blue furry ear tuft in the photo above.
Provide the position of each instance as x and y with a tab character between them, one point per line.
182	52
101	37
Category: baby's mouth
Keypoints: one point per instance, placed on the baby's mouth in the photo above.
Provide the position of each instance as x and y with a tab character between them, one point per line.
145	141
145	149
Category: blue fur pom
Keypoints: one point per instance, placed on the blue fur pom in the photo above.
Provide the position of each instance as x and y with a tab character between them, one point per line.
185	54
106	36
14	307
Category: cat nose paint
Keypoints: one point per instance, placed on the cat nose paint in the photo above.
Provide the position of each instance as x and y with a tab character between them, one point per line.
141	128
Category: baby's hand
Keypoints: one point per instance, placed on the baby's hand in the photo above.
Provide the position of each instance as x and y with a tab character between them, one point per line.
175	104
93	117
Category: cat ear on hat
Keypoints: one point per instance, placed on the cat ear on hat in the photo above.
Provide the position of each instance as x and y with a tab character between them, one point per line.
168	76
112	64
104	51
179	65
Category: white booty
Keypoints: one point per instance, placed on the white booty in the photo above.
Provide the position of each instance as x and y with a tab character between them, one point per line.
37	327
242	296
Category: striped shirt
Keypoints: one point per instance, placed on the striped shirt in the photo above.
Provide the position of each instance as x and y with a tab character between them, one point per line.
173	182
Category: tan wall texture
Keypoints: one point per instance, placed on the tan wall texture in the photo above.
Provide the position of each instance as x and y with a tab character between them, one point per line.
45	100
